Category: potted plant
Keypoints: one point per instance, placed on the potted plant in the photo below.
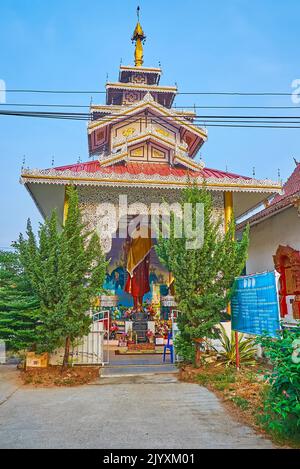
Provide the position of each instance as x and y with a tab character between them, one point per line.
130	337
123	340
113	330
162	328
150	336
128	315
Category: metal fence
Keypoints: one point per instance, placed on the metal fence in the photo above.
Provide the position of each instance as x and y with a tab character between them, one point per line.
92	349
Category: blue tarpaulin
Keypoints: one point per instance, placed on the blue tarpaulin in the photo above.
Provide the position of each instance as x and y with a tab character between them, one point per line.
254	305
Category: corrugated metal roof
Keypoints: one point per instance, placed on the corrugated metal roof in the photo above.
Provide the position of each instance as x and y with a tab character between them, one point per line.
148	169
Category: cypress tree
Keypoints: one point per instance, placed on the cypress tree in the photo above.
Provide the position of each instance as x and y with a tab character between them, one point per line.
19	306
203	277
66	269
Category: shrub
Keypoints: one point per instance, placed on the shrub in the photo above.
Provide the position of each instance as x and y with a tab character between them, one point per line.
282	401
184	349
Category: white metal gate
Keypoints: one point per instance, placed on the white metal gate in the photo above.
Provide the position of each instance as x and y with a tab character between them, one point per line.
93	349
104	319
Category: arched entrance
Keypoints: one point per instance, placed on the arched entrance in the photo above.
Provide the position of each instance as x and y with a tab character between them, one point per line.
287	264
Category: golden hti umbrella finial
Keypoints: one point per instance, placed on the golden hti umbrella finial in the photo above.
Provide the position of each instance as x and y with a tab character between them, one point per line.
139	38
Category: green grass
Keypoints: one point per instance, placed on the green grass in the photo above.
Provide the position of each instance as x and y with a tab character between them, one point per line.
221	380
241	402
226	377
203	379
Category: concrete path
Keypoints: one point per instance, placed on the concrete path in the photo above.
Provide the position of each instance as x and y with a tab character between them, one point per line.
9	382
126	412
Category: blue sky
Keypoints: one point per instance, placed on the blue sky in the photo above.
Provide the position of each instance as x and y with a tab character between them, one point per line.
236	45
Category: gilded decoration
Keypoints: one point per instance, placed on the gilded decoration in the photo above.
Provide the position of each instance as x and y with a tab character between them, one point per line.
296	203
128	132
163	132
158	154
137	152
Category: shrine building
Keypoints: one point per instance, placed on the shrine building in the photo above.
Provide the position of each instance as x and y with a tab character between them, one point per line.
142	147
275	244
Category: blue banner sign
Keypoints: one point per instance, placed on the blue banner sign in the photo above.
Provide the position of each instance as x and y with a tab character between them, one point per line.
254	305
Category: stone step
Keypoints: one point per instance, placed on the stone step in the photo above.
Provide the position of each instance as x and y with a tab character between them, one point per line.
129	362
150	378
132	370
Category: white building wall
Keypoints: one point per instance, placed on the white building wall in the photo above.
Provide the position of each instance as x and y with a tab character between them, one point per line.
265	237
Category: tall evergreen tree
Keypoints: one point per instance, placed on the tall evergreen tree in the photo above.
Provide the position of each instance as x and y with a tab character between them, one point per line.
66	269
203	277
19	306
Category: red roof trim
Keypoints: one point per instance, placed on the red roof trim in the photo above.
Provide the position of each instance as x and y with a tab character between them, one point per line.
148	168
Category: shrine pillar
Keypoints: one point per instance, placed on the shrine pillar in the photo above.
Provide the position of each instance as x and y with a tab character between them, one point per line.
228	214
228	209
66	205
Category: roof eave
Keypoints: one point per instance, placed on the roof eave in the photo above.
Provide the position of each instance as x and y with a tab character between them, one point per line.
67	177
242	225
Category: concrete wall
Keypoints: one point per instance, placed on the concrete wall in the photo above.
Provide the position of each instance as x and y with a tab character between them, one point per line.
283	228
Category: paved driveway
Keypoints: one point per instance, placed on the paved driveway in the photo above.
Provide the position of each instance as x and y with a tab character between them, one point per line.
126	412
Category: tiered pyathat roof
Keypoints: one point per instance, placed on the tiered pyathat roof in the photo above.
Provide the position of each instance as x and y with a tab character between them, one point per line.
144	121
138	123
139	140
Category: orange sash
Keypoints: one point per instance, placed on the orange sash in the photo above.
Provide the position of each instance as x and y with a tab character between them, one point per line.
139	248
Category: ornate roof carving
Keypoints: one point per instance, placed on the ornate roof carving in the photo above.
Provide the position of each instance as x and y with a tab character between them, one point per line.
148	101
147	175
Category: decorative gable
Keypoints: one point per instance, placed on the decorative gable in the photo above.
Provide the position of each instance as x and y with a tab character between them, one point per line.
146	120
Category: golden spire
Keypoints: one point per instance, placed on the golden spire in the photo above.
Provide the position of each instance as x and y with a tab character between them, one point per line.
139	38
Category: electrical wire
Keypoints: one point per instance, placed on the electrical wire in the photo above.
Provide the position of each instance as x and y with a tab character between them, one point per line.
201	93
274	122
178	108
150	116
212	123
